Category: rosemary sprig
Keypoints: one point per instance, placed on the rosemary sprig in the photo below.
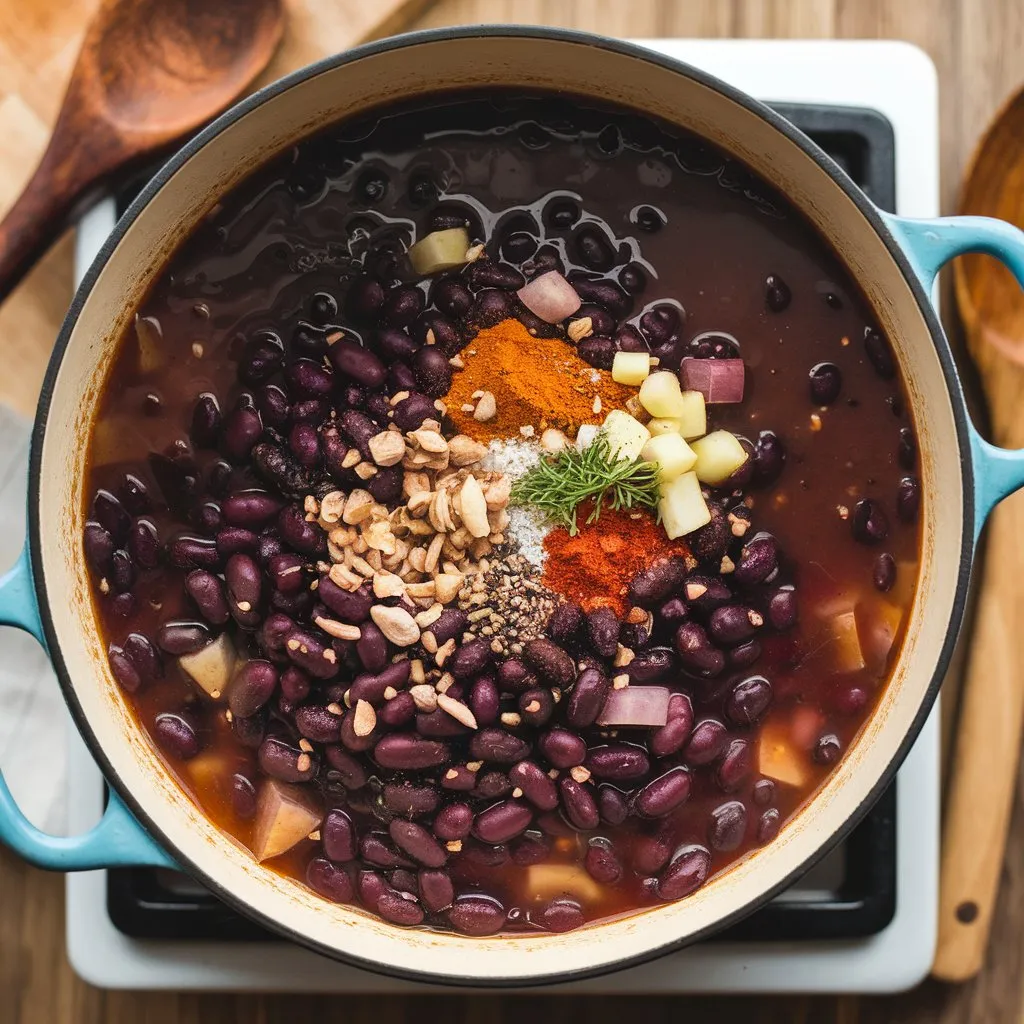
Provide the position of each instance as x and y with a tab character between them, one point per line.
559	485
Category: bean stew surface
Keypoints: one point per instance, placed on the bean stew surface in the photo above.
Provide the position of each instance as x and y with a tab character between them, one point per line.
503	513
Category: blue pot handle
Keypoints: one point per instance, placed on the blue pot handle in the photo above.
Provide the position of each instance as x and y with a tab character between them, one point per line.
930	244
118	839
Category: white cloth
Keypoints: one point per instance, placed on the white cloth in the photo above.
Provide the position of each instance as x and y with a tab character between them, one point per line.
33	716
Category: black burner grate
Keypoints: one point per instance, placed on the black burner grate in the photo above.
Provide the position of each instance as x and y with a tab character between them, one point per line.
851	894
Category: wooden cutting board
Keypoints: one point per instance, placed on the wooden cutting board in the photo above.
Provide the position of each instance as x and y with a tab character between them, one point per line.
38	43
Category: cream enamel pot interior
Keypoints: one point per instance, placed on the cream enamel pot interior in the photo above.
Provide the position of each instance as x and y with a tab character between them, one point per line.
895	263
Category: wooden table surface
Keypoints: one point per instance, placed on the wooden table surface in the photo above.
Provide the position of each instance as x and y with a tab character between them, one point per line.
977	46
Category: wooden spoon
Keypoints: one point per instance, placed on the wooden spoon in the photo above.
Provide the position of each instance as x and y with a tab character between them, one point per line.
983	773
149	72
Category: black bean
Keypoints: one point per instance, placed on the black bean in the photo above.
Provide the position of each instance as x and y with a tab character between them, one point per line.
827	749
744	655
402	304
782	608
476	915
728	826
696	652
748	700
674	611
354	361
206	421
825	382
653	584
735	766
731	624
565	622
250	731
603	627
769	458
241	431
587	698
176	732
664	794
907	449
606	294
310	379
869	522
273	406
124	669
561	214
182	637
883	574
532	847
633	278
908	499
436	890
661	323
364	298
122	571
711	541
108	511
492	305
99	547
598	351
593	249
144	656
687	872
879	353
278	467
550	662
245	588
601	321
485	274
452	297
758	560
207	591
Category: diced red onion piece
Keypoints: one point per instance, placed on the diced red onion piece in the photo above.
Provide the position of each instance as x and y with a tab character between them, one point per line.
550	297
720	381
636	705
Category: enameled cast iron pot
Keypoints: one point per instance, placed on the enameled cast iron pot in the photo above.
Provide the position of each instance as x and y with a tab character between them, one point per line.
150	820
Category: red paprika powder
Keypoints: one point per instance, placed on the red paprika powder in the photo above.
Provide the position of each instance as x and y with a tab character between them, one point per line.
594	567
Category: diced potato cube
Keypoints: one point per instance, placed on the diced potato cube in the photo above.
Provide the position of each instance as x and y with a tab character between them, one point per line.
631	368
664	425
682	507
719	455
440	250
778	757
548	881
212	666
626	435
672	454
660	395
848	656
285	815
693	420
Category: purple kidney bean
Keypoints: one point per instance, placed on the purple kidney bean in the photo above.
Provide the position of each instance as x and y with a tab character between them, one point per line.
436	890
418	843
375	849
735	766
250	731
144	656
618	762
206	421
498	746
98	546
304	442
587	698
316	723
272	404
453	821
452	297
329	881
371	886
338	834
883	573
398	711
125	672
748	700
561	915
758	560
310	654
459	779
514	677
578	803
476	915
502	821
601	862
410	799
207	591
308	378
351	360
664	794
563	749
657	582
536	707
243	796
402	304
876	347
396	908
358	428
603	628
728	826
250	509
550	662
394	345
439	725
651	852
484	700
371	687
176	732
354	743
433	372
470	659
565	622
598	351
285	572
278	467
351	606
182	637
768	825
251	688
282	761
364	298
731	624
241	431
408	752
350	772
612	804
687	871
412	411
400	378
908	498
386	484
294	684
144	544
706	743
536	784
234	539
782	608
698	655
187	551
492	785
651	666
108	511
827	749
869	522
532	847
273	634
122	571
303	536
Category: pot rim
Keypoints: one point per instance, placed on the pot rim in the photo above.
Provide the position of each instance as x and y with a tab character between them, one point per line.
194	147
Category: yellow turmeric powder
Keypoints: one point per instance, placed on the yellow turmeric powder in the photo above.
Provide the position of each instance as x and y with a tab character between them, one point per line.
538	382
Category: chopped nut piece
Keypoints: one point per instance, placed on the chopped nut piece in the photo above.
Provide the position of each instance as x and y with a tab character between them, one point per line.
553	440
334	708
453	845
387	448
580	329
423	696
433	553
457	710
623	656
636	615
331	507
341	576
416	673
474	507
580	774
357	507
447	586
533	707
390	693
429	440
352	459
303	762
444	684
527	431
396	624
311	505
465	451
621	681
597	405
474	766
444	652
429	642
365	470
364	719
305	746
695	591
511	719
726	566
379	536
339	630
486	408
756	618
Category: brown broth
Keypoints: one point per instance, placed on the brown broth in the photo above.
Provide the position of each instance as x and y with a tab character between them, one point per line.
302	224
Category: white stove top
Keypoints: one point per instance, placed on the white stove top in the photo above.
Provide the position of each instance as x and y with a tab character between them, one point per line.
900	82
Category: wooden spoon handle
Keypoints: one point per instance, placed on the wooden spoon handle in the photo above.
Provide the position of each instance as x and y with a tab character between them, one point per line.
983	776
